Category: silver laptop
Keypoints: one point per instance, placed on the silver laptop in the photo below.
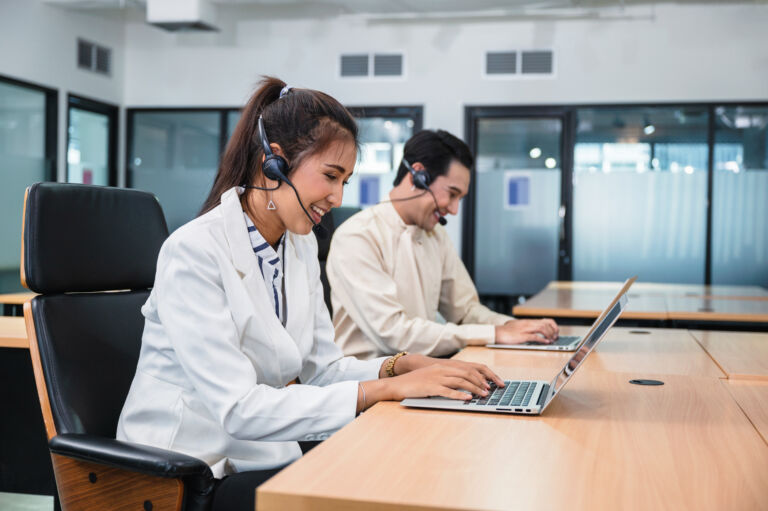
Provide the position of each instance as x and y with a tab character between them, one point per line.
563	342
531	397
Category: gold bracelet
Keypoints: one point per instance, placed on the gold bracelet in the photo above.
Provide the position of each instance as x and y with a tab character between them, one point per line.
389	368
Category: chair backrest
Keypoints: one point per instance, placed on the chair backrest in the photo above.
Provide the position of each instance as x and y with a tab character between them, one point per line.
330	223
91	253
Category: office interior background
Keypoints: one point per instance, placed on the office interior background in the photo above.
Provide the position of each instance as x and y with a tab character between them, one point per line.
612	137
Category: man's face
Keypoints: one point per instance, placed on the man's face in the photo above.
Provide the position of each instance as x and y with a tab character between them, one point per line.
448	190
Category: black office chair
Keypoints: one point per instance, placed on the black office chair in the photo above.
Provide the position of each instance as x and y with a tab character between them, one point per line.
330	222
91	253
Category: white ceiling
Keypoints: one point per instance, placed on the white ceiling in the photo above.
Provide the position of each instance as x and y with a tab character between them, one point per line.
408	8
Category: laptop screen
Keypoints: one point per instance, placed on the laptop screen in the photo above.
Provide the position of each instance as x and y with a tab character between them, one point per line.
588	345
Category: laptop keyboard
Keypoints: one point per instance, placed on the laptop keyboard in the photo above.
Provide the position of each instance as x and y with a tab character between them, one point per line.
563	340
515	393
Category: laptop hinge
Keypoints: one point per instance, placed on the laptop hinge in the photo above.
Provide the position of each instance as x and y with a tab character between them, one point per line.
543	394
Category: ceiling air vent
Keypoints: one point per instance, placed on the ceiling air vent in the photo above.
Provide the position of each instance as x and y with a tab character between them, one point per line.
536	62
354	65
501	62
93	57
388	65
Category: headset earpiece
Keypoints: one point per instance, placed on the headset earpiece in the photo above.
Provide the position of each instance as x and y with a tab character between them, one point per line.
274	167
421	178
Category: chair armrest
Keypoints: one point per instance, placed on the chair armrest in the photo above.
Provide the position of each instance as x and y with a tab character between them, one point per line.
133	457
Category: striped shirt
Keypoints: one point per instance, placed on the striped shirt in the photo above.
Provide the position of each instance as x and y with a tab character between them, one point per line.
271	266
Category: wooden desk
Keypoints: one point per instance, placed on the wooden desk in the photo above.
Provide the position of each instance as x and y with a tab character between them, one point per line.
651	351
670	304
719	291
752	397
589	303
699	308
607	444
741	355
13	333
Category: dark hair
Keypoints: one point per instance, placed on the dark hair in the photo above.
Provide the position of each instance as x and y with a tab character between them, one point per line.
435	150
303	122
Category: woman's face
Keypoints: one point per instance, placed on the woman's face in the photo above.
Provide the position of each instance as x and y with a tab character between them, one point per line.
319	181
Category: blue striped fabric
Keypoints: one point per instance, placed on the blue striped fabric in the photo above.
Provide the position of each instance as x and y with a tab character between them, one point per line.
270	264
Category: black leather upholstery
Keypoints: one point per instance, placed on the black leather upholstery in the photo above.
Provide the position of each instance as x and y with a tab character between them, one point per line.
80	243
75	236
135	457
89	347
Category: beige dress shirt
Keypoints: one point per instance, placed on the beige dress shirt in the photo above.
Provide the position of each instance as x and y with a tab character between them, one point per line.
388	282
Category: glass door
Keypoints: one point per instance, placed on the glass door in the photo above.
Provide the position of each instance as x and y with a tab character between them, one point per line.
519	214
91	142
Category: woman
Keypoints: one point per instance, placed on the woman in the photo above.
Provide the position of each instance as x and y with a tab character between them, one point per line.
237	311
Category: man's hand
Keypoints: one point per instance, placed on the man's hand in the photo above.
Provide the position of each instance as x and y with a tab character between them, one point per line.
518	331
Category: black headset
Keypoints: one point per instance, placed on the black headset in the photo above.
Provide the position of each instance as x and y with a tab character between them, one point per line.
421	178
274	167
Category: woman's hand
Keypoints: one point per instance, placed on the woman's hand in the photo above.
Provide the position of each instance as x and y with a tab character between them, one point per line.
412	362
518	331
453	379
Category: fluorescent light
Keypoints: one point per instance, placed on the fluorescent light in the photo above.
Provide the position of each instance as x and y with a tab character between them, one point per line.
535	152
550	163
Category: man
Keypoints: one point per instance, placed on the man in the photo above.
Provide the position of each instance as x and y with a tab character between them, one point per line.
392	268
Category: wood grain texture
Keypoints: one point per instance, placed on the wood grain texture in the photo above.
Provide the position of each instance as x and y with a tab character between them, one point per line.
37	369
605	443
649	301
589	303
16	298
701	308
752	397
755	292
741	355
13	333
113	489
651	351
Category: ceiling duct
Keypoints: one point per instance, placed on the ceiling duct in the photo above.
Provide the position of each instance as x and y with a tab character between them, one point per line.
177	15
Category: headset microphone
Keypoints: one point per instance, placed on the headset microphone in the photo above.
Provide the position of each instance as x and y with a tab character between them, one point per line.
422	180
276	168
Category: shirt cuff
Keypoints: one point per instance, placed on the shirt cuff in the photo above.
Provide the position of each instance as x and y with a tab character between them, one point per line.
479	335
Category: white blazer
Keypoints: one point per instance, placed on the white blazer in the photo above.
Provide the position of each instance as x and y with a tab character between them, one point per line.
215	359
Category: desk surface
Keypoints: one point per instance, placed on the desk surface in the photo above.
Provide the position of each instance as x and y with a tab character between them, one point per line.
13	333
741	355
651	351
752	397
607	443
589	303
16	298
651	301
755	292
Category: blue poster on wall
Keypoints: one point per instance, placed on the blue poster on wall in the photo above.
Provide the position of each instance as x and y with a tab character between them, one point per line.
517	189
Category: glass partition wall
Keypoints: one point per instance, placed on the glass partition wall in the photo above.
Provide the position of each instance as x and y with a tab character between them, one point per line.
175	153
634	196
27	155
640	194
383	133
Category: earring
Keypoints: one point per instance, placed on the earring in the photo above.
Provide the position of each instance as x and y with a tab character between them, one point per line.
271	204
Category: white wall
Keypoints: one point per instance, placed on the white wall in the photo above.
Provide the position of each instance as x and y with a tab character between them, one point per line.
666	53
38	43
